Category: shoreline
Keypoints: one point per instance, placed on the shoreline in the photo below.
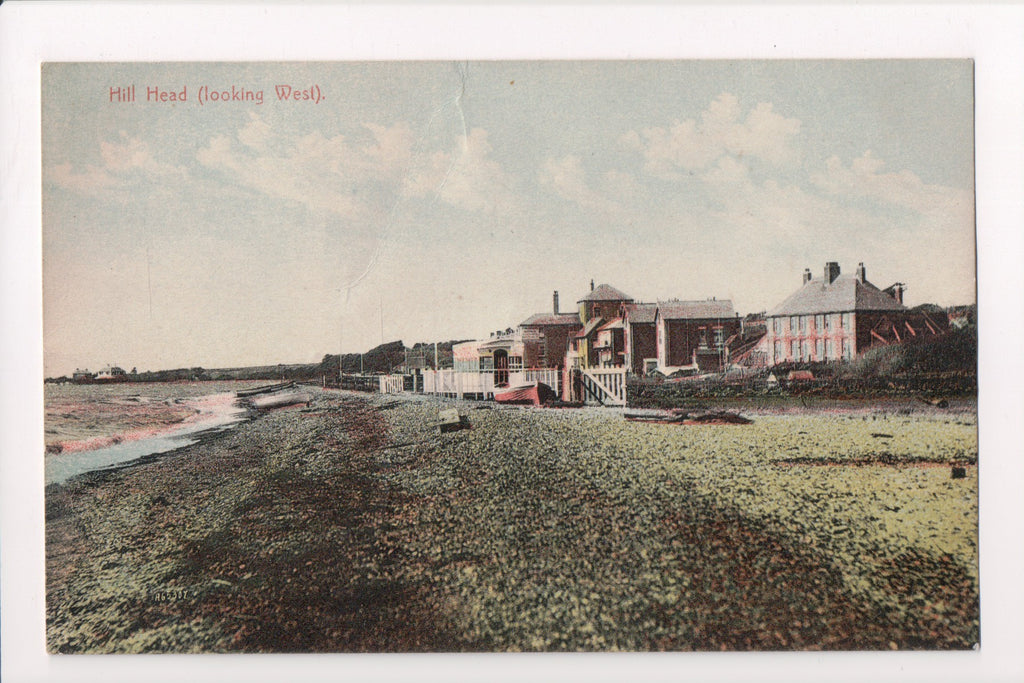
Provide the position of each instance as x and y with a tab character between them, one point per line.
352	525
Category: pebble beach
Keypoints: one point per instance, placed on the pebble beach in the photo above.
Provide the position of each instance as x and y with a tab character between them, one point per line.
352	524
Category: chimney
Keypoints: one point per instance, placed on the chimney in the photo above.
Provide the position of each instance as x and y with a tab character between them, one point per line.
860	272
897	292
807	275
591	285
831	272
554	303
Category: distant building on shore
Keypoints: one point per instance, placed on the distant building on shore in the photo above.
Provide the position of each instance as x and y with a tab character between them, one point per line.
82	376
111	373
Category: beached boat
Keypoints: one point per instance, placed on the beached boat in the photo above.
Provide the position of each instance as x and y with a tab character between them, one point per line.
682	417
266	389
534	393
280	399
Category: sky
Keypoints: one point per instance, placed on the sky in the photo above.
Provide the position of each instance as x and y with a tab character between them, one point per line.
428	201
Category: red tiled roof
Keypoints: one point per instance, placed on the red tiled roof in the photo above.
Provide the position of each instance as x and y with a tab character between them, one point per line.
606	293
696	310
845	293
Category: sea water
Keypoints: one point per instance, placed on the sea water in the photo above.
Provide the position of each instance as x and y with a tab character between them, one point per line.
214	413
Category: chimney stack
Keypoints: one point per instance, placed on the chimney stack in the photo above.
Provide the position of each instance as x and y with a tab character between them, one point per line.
591	285
554	303
861	274
807	275
831	272
897	292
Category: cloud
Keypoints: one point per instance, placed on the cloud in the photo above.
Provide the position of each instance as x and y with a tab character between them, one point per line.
467	178
566	177
122	163
333	174
358	176
865	179
693	145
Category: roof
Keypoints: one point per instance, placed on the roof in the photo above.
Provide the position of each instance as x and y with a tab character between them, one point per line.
606	293
696	310
592	325
845	293
543	319
613	324
505	343
640	313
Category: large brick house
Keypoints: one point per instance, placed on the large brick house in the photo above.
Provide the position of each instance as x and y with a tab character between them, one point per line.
694	333
836	317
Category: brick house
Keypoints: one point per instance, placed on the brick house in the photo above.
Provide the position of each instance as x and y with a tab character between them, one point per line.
640	337
546	337
599	307
694	334
836	317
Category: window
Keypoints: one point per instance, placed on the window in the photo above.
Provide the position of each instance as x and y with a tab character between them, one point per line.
792	324
803	324
819	350
718	337
794	349
778	351
819	323
847	322
847	349
825	322
828	349
777	325
703	337
806	353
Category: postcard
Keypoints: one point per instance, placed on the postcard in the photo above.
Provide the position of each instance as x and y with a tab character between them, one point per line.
521	355
666	431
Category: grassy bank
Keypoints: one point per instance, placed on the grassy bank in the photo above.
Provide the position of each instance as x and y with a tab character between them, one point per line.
352	525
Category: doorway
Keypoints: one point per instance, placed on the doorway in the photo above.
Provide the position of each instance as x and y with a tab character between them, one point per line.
500	368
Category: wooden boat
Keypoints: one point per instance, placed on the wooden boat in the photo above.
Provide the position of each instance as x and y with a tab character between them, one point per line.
266	389
709	417
534	393
279	400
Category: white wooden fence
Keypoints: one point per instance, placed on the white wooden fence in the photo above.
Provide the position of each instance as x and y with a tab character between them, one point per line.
458	384
606	386
391	384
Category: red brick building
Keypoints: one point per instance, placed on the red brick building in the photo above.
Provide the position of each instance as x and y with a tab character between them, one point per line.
598	308
640	337
546	337
836	317
694	333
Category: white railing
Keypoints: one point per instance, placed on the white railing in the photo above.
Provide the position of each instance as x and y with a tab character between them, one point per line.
549	376
607	386
392	384
457	384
